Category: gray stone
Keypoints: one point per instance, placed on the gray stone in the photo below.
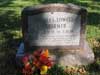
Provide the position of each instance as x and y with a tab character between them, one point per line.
69	58
76	57
61	29
56	26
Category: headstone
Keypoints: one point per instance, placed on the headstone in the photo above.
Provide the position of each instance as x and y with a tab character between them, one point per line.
61	29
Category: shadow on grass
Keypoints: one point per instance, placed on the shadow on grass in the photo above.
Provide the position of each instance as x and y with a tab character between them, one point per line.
97	0
10	42
93	18
9	20
7	55
64	1
97	49
5	3
57	1
95	67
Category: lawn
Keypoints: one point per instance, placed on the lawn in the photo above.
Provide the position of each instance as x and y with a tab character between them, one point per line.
11	36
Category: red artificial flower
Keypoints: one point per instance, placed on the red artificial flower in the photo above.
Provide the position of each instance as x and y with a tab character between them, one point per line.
27	66
37	53
44	59
45	53
36	63
49	64
25	59
27	71
39	60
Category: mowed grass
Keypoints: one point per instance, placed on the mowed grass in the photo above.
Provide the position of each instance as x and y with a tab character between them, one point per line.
11	36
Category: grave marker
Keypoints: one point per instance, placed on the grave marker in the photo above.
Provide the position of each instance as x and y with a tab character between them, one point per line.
61	29
54	26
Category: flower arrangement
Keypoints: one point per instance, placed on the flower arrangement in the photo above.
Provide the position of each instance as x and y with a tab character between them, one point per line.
38	61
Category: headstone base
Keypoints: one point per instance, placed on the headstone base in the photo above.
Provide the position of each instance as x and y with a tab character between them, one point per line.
69	58
78	57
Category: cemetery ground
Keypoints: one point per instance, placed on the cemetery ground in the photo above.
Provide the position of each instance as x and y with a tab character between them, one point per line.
11	37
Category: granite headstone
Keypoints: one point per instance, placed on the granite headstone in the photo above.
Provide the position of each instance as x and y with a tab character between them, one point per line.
61	29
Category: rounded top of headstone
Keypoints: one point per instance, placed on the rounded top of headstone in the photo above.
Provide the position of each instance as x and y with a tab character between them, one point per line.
54	7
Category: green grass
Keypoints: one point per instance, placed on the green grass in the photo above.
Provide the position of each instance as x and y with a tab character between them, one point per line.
10	30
